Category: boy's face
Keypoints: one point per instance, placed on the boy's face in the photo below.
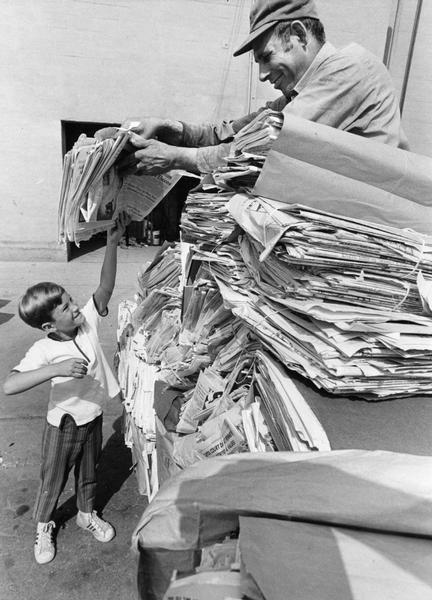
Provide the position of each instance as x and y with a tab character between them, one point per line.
66	317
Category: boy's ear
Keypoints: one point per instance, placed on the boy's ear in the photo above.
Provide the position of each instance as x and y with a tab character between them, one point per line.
48	327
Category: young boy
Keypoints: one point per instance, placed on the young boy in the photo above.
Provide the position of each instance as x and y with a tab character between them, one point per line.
81	380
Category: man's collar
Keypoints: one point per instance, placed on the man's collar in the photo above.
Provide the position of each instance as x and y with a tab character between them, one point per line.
325	51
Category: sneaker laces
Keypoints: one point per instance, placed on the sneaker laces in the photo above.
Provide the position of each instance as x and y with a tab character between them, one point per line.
96	522
44	536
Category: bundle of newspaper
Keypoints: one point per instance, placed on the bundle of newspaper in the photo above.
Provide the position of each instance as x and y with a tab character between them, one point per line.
241	172
250	148
257	137
206	218
217	416
206	327
156	319
146	326
89	187
241	399
92	192
341	313
163	272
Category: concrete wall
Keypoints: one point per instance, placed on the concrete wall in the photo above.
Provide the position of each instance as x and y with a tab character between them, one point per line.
86	60
417	104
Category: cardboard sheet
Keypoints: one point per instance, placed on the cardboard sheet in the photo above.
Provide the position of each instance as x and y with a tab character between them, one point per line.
311	562
342	173
382	491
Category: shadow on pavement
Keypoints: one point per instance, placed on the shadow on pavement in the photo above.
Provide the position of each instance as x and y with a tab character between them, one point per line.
4	317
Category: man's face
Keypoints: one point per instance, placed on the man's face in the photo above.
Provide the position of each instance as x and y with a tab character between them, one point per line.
281	64
67	317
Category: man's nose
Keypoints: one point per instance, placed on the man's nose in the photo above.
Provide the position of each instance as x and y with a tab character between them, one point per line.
264	72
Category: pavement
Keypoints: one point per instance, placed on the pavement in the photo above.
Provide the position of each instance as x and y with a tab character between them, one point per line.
83	569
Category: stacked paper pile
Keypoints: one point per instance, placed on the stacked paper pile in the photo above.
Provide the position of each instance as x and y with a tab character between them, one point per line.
341	300
342	313
206	218
257	137
93	193
212	420
293	425
251	147
146	328
89	187
345	301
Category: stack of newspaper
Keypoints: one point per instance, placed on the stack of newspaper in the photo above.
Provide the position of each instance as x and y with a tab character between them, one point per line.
92	192
257	137
300	308
147	326
206	218
89	187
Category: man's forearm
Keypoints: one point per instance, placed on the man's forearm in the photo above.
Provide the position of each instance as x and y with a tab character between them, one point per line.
185	159
200	160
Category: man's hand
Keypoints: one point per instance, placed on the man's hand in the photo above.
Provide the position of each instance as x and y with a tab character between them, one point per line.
164	130
72	367
151	157
116	232
146	127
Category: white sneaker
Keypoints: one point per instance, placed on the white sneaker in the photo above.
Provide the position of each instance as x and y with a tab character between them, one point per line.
100	529
44	547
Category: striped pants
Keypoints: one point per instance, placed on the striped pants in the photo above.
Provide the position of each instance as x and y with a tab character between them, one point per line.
65	447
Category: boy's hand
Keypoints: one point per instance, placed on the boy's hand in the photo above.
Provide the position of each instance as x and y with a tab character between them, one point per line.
72	367
115	234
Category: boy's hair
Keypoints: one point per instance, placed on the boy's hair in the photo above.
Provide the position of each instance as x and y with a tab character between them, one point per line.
36	306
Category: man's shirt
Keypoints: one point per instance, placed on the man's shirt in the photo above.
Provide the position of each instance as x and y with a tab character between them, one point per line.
347	88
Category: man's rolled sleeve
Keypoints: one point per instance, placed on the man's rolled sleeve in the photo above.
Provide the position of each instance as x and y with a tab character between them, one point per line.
212	157
206	134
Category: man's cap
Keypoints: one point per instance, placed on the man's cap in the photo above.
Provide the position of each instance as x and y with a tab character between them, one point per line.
267	13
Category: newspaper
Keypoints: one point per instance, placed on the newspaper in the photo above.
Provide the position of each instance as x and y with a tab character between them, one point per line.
139	194
93	193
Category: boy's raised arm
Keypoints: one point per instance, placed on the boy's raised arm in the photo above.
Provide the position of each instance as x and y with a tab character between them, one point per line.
109	267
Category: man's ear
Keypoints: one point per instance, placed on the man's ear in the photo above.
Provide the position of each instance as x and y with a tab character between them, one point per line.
298	29
48	327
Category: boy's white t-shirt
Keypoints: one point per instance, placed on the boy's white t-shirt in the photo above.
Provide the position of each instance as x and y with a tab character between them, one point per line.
81	398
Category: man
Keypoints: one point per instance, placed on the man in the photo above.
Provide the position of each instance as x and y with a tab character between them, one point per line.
349	89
